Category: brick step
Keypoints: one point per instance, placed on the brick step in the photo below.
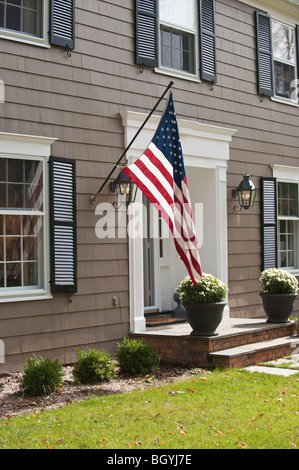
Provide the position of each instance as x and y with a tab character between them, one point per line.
240	342
260	333
254	353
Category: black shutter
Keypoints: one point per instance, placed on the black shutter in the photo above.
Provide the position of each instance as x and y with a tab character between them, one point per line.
269	223
62	23
264	54
207	37
63	225
146	33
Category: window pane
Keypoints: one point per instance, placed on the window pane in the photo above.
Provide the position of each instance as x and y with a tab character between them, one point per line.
13	274
1	249
1	275
288	199
30	4
166	37
176	62
284	74
283	42
29	22
3	169
30	249
15	196
1	15
13	18
13	249
30	274
13	225
291	261
15	170
291	242
3	195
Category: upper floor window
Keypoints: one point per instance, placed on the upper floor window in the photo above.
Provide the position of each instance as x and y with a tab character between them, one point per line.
23	16
177	38
283	40
277	58
178	32
38	22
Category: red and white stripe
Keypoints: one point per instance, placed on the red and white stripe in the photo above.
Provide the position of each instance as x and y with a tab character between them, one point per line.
153	174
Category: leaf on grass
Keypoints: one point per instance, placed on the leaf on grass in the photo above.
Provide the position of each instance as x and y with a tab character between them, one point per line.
243	445
255	418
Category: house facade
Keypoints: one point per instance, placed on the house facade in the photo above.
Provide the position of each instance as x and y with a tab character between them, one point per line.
77	81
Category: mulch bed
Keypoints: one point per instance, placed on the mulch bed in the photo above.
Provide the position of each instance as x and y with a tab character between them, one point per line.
13	401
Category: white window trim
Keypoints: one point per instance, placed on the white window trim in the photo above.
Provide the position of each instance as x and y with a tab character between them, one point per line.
28	38
277	98
180	73
34	147
288	174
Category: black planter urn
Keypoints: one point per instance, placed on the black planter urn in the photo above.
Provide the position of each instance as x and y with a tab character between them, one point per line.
204	318
278	307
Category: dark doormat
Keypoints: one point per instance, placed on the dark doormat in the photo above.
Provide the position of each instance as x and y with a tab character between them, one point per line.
162	320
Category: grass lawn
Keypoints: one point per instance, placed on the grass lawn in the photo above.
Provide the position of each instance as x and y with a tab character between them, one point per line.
222	409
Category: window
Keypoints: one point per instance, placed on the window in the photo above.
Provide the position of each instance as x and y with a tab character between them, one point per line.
277	58
21	223
283	39
280	219
24	16
288	218
39	22
37	219
178	28
170	37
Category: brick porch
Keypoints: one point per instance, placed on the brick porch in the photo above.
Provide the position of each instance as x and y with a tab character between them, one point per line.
240	342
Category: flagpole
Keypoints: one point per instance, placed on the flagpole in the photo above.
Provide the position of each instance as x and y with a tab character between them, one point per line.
93	198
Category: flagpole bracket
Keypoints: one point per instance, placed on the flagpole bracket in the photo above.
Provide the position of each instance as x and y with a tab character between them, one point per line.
92	199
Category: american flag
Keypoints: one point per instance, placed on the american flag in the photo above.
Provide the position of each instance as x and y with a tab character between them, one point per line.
160	175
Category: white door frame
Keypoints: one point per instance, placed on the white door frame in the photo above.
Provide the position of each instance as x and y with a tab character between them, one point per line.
204	146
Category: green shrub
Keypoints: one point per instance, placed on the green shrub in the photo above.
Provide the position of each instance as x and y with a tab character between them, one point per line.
41	375
93	365
137	356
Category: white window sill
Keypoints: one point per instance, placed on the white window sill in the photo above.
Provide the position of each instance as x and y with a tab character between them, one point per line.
23	297
23	38
177	74
284	101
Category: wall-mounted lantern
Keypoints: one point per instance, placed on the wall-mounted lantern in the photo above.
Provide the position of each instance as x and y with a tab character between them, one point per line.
125	189
245	193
